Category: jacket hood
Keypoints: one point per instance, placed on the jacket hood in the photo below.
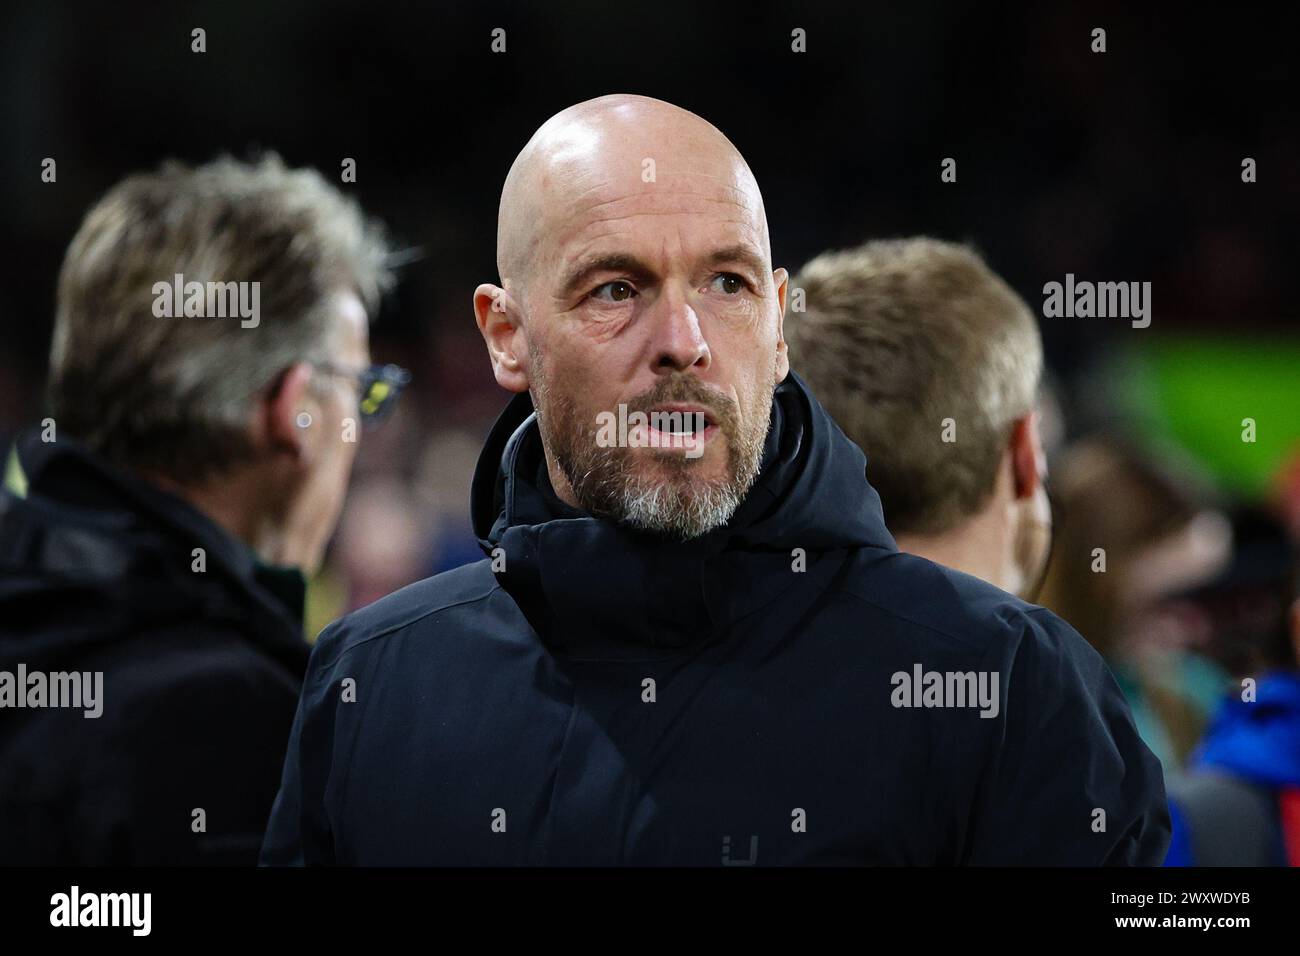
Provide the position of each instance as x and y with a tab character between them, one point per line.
1259	740
93	555
591	584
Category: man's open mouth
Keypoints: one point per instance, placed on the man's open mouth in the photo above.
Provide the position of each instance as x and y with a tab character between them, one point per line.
680	425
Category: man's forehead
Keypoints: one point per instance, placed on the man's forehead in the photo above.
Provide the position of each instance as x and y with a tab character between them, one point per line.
350	332
626	168
693	211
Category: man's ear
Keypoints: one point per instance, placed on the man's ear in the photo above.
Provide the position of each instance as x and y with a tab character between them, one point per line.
1028	463
288	411
781	278
499	319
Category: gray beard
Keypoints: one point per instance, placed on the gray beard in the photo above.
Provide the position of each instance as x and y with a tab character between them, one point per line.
675	504
662	505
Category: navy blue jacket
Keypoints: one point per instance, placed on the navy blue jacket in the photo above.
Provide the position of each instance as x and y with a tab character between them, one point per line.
606	697
201	672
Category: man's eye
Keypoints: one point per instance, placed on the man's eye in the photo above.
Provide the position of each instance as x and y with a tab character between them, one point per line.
616	291
728	283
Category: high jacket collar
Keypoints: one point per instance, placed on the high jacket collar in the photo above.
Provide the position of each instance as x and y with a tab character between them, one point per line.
108	536
595	588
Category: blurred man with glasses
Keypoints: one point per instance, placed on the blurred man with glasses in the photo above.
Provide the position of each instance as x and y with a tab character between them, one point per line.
191	469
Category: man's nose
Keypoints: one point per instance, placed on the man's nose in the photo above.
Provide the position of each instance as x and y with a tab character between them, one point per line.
678	341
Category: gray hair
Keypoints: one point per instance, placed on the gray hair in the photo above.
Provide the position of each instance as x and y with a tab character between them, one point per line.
173	394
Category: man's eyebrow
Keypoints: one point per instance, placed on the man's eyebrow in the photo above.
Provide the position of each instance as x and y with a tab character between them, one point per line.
582	273
742	254
635	268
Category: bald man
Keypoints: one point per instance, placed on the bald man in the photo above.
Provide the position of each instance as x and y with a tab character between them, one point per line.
692	640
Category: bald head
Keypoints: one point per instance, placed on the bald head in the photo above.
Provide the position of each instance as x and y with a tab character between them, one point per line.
636	274
612	149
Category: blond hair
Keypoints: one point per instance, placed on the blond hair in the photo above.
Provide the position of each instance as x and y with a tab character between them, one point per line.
899	335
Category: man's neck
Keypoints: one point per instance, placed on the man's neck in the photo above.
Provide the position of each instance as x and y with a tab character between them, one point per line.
563	505
226	504
560	486
980	547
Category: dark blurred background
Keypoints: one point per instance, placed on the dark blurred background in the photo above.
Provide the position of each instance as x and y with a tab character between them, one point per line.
1122	166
